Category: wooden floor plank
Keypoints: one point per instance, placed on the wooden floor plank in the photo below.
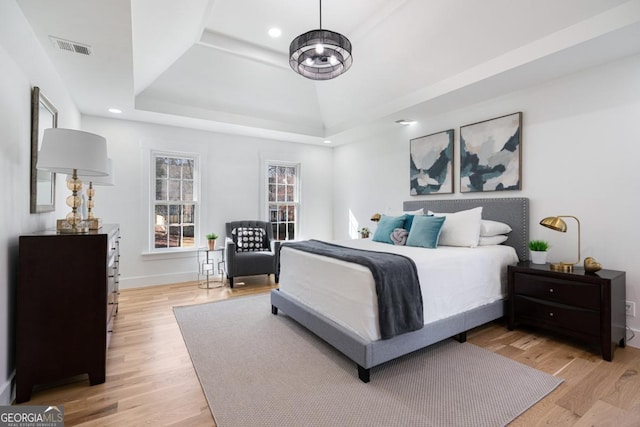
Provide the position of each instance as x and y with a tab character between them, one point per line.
598	384
151	380
604	414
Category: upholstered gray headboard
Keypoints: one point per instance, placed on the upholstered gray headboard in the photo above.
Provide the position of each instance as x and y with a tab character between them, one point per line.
513	211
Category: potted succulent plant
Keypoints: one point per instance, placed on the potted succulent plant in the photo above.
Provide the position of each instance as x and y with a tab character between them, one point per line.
211	240
538	250
364	232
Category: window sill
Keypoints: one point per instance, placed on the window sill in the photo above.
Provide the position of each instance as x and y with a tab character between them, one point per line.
170	254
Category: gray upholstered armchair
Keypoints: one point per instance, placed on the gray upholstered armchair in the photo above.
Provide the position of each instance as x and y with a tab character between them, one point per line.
250	249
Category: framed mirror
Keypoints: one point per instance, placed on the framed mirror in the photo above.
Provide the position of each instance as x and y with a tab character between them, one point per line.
43	184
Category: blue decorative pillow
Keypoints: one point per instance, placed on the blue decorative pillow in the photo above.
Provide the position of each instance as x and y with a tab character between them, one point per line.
408	222
425	231
386	225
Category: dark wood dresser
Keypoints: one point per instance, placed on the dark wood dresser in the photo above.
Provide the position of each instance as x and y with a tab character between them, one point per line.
585	306
67	298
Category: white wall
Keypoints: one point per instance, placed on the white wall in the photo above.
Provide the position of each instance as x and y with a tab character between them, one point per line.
23	64
231	189
581	151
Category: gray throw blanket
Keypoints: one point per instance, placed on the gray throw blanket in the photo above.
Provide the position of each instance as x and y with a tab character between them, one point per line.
396	279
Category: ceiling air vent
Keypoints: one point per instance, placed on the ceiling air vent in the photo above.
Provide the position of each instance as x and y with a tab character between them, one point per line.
71	46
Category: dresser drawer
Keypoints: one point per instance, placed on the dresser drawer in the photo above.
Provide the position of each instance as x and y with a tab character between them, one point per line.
585	295
557	316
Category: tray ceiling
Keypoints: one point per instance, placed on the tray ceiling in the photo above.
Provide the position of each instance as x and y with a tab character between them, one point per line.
210	64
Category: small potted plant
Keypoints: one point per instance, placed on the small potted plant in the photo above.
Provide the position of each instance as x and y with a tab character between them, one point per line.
364	232
538	250
211	240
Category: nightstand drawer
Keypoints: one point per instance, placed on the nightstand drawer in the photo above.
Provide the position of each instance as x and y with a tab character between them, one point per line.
557	316
585	295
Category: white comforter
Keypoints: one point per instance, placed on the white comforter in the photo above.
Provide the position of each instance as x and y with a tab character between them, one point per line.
452	280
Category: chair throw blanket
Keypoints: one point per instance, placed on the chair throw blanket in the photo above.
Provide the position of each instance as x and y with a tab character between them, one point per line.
396	279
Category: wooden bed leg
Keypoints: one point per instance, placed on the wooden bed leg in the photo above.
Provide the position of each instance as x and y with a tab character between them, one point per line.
274	309
363	374
461	337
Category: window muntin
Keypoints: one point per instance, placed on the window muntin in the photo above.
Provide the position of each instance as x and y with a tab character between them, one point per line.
175	205
283	199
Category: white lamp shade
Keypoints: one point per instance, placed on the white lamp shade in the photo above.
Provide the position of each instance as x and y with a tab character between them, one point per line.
99	180
64	150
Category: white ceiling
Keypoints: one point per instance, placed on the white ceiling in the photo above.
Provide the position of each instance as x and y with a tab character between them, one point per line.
209	64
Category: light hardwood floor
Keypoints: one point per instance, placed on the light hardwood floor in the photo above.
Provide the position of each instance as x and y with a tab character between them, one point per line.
151	381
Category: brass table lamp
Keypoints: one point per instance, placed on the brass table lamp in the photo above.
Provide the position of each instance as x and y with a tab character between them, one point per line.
556	223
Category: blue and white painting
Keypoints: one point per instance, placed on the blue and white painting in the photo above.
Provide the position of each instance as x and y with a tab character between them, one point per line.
490	155
431	164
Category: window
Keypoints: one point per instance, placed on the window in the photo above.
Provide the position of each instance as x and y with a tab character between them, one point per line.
283	199
175	202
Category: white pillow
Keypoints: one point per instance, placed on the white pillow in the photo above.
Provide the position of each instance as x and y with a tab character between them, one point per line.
461	228
490	228
391	212
492	240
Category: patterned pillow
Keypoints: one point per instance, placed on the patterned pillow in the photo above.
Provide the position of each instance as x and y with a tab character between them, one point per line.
399	236
248	239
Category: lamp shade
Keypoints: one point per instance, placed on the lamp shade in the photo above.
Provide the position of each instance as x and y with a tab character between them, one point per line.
554	223
66	150
100	180
320	54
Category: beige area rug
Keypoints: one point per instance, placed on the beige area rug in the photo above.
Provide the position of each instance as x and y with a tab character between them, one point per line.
257	369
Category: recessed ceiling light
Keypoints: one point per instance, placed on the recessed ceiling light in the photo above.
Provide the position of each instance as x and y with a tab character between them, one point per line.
326	141
115	110
405	122
275	32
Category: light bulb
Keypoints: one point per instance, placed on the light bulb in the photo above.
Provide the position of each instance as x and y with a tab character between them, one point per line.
319	48
275	32
333	60
309	61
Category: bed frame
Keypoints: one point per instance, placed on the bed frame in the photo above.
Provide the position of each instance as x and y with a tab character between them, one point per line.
367	354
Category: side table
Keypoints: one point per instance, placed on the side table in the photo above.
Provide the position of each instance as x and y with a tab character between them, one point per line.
207	266
586	306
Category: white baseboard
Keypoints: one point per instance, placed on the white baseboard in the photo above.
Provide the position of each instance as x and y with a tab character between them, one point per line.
159	279
6	392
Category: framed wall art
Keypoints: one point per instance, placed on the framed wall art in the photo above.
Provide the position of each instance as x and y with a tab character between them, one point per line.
491	155
431	164
43	183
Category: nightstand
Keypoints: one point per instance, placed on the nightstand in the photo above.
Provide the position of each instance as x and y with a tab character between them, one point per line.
585	306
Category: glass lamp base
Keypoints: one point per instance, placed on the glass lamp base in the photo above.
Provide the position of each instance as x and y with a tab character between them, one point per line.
63	227
93	223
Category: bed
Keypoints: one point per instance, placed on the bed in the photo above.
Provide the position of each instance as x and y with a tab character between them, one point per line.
355	332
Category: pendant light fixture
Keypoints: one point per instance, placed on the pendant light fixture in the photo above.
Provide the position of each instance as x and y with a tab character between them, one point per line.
320	54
